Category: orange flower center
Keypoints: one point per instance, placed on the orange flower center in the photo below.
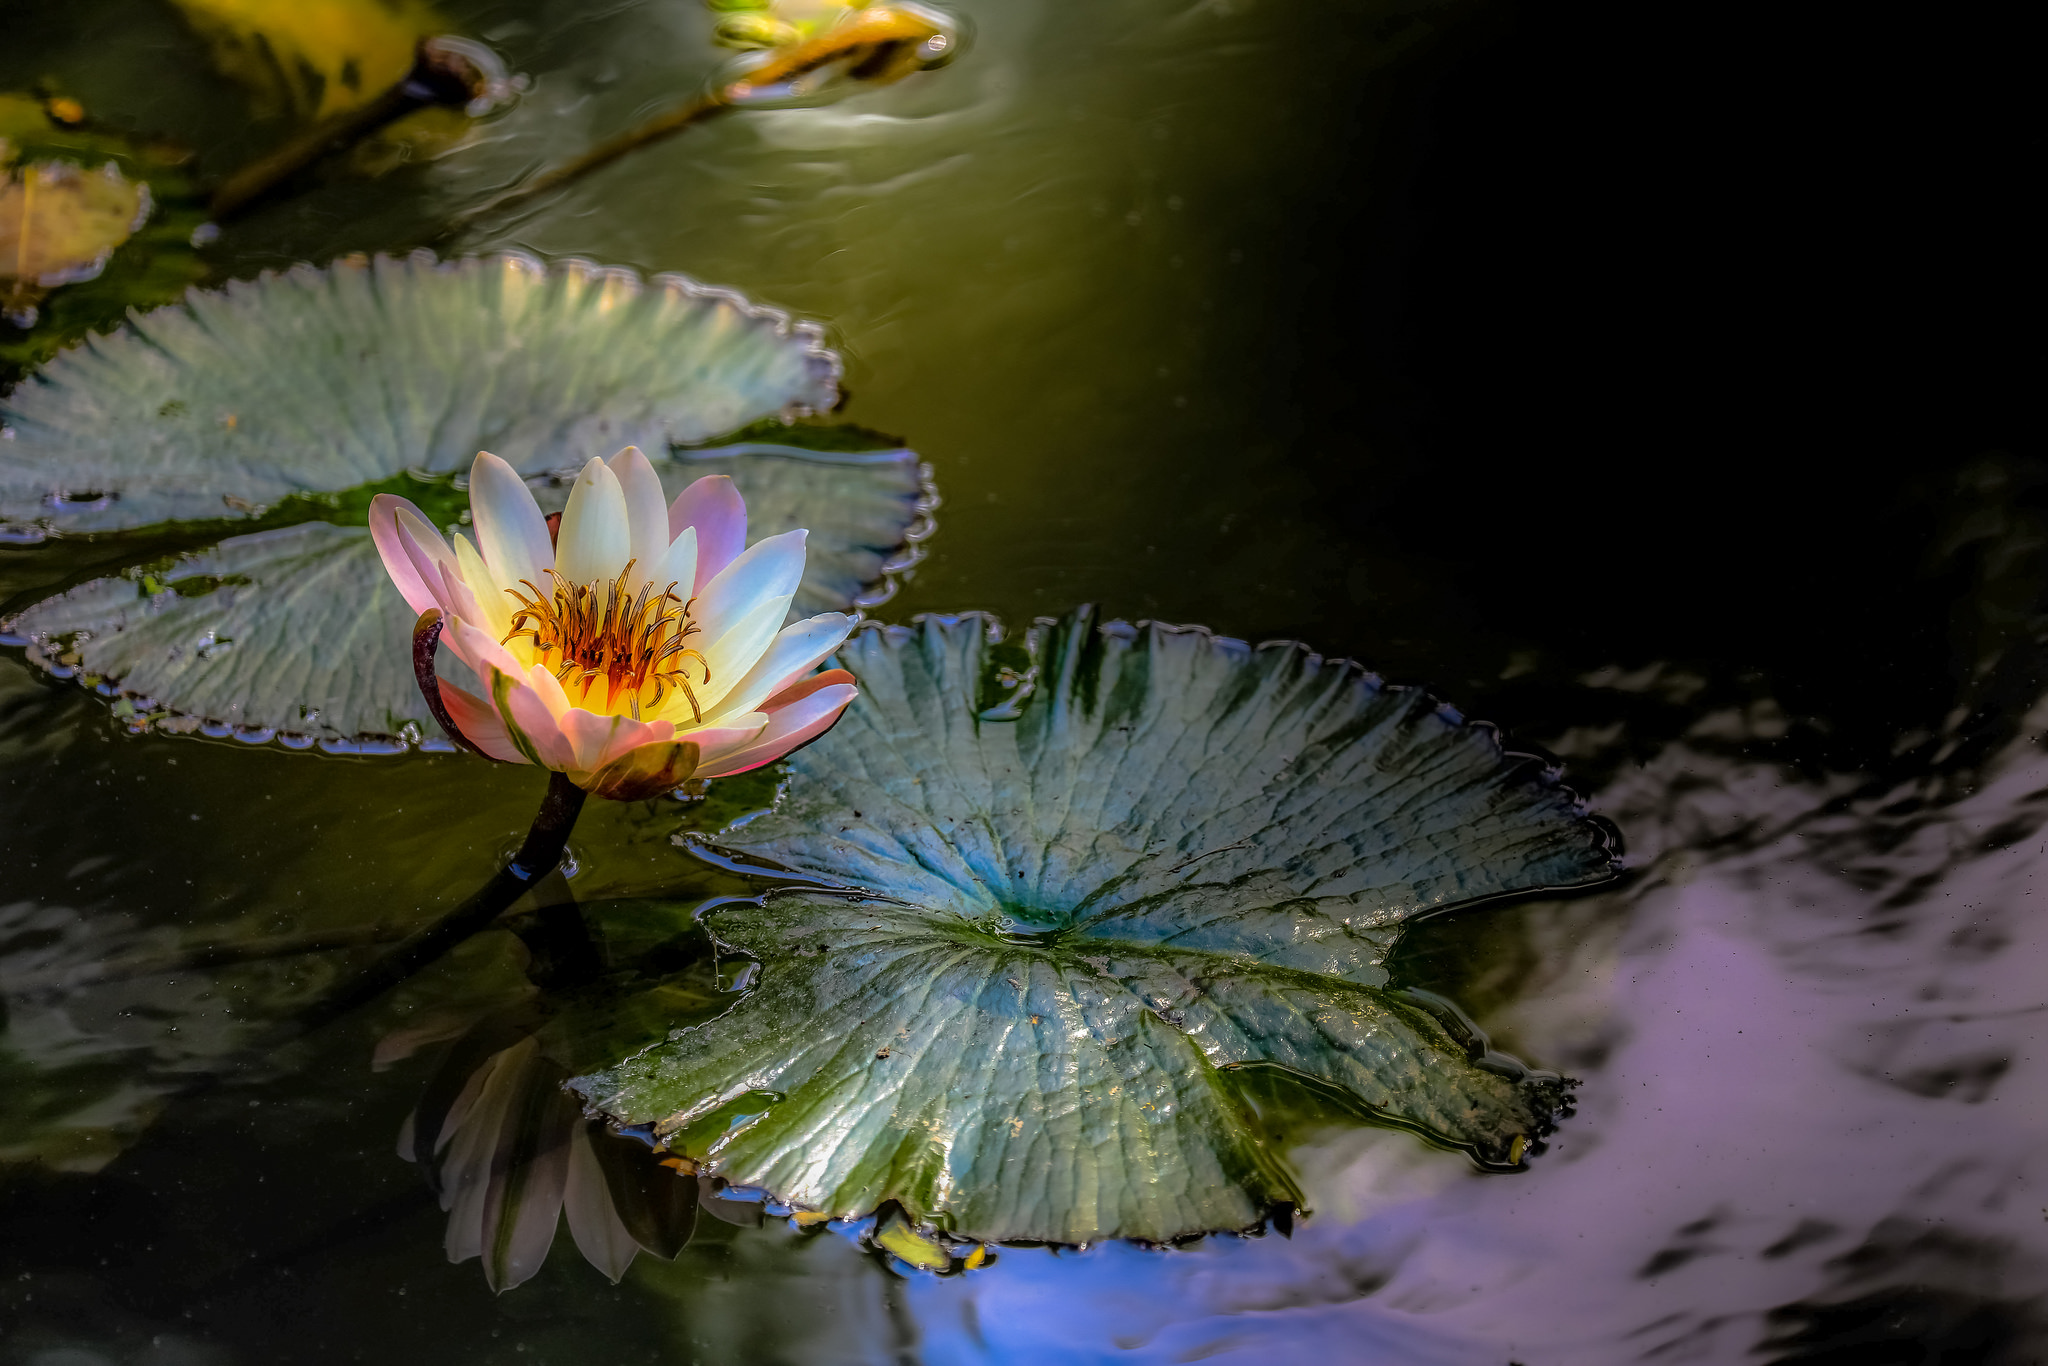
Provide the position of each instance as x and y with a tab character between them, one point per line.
598	632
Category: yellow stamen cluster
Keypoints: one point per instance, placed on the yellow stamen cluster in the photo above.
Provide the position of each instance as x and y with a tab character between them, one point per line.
597	632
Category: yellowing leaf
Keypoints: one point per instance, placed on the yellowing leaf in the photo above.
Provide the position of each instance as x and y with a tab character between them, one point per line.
313	58
59	224
921	1250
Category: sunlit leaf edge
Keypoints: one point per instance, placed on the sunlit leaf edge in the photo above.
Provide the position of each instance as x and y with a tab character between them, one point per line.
65	509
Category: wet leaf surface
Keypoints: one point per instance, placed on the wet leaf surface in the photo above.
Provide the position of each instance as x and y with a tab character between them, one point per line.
317	381
1059	893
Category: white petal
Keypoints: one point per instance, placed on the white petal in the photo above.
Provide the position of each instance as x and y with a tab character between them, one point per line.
769	568
796	649
679	566
732	656
510	531
593	1222
646	511
596	539
493	603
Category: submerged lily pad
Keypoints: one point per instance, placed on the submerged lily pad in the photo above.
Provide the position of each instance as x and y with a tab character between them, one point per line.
318	381
1058	895
59	225
93	222
292	399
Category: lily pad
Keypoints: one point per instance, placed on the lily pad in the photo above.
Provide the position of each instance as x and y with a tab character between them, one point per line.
116	234
297	631
1055	898
294	630
316	381
59	225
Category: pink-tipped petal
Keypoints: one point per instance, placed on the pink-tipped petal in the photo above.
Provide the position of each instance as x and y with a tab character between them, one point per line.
479	649
729	734
793	653
595	538
529	726
713	506
405	575
646	511
804	687
426	568
795	724
510	531
479	724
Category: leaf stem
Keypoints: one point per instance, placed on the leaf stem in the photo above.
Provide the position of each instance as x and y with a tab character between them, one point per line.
663	125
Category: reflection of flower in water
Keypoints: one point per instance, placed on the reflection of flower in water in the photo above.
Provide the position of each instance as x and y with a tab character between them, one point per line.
509	1153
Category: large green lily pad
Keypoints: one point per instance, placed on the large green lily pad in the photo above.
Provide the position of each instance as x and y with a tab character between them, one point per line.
1054	897
316	381
390	375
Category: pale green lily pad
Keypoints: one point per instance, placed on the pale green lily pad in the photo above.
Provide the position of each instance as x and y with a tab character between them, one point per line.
1074	888
297	632
316	381
298	395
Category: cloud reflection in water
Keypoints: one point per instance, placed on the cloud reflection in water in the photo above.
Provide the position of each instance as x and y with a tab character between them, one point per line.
1810	1110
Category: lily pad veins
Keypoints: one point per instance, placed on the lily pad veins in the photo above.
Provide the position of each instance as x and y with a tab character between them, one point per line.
1053	895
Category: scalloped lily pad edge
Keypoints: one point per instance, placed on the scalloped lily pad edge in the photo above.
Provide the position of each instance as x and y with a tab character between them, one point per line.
1021	685
813	335
922	1245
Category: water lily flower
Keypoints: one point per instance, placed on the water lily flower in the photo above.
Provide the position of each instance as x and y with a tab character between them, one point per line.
640	645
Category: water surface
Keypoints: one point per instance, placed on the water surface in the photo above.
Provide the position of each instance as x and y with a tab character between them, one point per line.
1447	336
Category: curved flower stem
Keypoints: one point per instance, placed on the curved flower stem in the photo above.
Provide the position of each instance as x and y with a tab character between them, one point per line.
425	636
536	858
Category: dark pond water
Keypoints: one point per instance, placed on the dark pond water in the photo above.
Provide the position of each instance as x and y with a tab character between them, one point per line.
1647	384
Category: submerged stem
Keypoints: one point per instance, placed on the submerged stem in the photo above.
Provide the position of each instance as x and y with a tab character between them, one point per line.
663	125
536	858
